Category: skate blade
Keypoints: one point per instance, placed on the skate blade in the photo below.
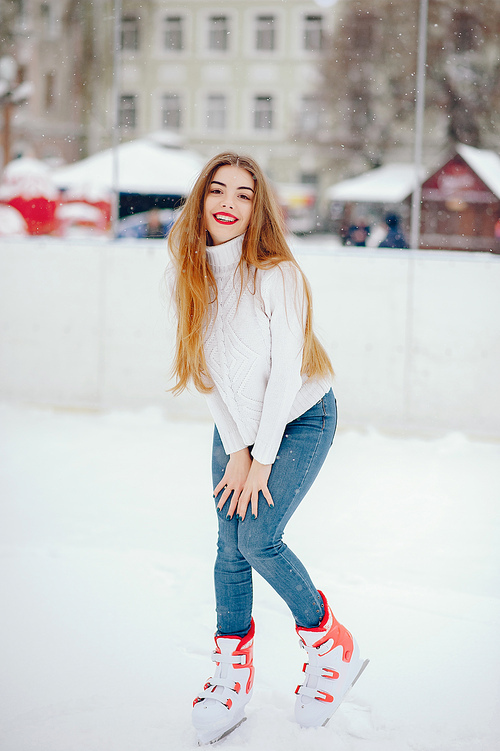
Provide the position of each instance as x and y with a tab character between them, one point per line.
358	675
362	668
222	735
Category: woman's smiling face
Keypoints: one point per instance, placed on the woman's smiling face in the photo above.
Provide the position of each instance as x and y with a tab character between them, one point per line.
229	203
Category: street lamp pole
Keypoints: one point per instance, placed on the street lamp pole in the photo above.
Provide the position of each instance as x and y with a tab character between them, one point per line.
415	205
115	95
7	112
419	125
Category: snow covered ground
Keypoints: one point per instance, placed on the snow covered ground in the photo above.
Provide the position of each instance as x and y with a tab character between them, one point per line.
107	543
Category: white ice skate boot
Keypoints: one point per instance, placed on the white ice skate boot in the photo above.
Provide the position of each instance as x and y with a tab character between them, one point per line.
220	708
333	667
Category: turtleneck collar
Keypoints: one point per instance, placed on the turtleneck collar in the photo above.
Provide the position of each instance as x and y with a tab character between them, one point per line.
225	256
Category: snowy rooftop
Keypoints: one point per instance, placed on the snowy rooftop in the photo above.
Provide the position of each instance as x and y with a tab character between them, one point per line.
392	183
389	184
144	166
485	163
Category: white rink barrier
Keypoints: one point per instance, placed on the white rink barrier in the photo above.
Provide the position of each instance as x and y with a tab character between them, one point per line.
414	335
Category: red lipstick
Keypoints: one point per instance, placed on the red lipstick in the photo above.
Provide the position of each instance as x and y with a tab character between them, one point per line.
222	217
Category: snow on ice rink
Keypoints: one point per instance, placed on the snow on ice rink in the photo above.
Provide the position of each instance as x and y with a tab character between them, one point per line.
107	543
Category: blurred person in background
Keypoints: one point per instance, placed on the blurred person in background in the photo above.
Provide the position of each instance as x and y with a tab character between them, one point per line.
395	237
154	227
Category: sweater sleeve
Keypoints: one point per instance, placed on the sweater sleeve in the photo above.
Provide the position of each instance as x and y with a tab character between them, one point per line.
228	430
284	301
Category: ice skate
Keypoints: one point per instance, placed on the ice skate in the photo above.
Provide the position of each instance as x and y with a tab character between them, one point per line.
333	666
220	708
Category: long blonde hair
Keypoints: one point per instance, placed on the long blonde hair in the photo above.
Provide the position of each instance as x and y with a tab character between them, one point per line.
195	289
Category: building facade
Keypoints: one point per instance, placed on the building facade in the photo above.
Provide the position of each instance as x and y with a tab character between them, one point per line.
222	75
42	79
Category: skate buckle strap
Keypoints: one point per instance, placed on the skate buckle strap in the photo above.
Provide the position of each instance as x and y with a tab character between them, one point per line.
210	691
320	671
314	693
230	659
225	683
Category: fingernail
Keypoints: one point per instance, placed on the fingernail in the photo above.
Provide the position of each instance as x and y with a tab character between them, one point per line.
238	517
253	516
229	517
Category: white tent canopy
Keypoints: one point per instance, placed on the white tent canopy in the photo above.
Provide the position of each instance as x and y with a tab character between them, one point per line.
144	166
389	184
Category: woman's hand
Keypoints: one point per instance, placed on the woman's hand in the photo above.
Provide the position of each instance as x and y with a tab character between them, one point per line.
235	477
244	478
255	482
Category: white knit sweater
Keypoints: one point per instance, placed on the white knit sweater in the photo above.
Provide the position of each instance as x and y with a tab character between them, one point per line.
253	349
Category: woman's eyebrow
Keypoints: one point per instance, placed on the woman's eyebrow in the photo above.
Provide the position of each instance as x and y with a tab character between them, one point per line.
242	187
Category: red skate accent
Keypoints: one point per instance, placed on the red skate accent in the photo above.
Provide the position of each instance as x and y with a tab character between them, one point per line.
228	704
330	673
328	697
330	628
246	650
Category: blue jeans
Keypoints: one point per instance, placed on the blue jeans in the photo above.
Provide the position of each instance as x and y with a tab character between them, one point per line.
257	543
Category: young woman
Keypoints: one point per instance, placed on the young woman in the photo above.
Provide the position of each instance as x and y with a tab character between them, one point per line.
245	339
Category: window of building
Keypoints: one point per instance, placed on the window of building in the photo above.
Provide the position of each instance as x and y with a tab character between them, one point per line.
218	33
46	14
216	112
265	33
22	73
360	115
50	89
362	34
48	20
171	111
309	178
263	113
20	9
174	33
128	111
130	33
313	33
466	34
